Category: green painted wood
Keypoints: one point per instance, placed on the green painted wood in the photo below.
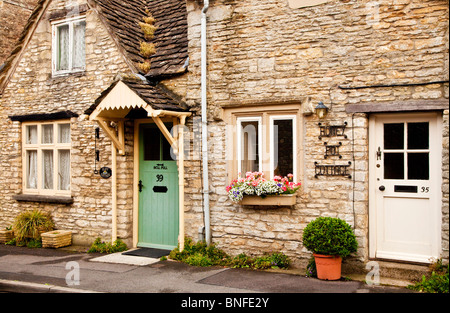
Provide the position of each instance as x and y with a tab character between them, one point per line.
158	200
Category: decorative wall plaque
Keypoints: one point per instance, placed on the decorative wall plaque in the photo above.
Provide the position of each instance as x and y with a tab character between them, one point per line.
333	170
332	150
332	130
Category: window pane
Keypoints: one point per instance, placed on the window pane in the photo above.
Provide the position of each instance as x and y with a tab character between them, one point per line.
63	48
394	166
64	133
249	147
151	144
418	135
47	169
418	166
78	55
31	179
64	170
394	136
283	147
47	133
31	134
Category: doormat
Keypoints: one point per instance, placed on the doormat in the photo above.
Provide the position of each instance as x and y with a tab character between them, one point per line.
148	252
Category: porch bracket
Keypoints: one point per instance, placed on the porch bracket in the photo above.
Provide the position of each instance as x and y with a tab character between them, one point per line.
118	138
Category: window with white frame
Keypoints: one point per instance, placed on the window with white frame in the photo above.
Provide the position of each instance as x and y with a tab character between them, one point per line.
267	143
283	143
249	143
46	158
69	51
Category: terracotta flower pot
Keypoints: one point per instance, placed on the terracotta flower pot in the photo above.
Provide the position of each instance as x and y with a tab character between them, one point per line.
328	266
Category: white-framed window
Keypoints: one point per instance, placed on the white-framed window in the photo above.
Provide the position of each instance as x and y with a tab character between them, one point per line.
46	157
283	144
249	142
267	143
68	45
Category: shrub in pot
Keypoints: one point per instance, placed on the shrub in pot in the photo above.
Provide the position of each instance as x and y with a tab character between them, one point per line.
330	239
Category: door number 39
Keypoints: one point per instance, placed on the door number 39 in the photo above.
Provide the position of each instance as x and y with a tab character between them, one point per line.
424	189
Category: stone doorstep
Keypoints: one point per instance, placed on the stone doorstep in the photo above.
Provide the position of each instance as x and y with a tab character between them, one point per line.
391	273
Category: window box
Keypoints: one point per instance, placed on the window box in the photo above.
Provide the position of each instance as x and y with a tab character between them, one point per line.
6	235
56	239
275	200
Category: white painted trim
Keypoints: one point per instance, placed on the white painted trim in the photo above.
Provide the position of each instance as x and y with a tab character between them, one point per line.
239	121
55	24
292	117
55	147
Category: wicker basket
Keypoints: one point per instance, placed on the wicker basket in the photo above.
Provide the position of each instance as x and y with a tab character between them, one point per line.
56	239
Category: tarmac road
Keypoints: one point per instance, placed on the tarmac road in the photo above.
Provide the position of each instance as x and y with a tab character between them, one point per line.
47	270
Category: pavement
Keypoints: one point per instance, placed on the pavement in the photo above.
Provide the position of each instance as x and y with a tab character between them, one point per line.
73	270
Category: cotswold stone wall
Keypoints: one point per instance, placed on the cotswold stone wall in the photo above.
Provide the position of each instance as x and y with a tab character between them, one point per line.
32	89
265	51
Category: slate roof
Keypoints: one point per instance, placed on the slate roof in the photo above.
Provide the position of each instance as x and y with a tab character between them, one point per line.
158	97
123	17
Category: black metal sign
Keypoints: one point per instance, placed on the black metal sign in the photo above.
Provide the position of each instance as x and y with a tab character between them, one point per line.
332	150
332	170
332	130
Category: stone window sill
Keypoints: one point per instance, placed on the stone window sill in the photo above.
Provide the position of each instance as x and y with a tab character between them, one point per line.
45	199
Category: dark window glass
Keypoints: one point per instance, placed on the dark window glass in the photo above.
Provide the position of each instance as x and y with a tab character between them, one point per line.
418	166
394	166
156	146
283	145
418	135
394	136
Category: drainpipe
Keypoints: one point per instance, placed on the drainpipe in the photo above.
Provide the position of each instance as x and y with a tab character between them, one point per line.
205	125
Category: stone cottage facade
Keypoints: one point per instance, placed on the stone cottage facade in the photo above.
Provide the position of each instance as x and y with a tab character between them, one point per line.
378	159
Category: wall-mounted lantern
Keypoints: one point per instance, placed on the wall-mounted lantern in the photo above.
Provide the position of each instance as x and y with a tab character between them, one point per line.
321	110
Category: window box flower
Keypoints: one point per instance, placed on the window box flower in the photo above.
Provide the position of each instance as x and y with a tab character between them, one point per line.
254	189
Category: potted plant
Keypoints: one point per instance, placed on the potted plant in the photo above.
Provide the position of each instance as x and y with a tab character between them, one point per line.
254	189
330	239
30	224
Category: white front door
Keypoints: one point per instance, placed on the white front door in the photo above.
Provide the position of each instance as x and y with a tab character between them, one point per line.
405	186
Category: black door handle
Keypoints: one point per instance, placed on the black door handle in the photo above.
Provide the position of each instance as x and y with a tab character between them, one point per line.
382	188
140	186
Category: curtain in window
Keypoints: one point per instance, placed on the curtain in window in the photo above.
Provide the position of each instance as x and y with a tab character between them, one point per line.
249	147
64	133
79	52
31	170
47	133
63	47
31	134
64	170
47	168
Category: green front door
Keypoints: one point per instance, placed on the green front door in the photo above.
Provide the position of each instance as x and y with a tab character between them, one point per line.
158	190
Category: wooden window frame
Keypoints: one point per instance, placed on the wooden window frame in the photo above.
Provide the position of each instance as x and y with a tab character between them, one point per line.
267	114
55	146
55	25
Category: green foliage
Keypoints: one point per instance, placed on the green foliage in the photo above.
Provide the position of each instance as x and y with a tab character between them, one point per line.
198	259
30	224
106	247
437	282
330	236
311	270
200	254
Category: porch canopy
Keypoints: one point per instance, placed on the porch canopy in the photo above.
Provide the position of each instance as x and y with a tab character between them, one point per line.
133	97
